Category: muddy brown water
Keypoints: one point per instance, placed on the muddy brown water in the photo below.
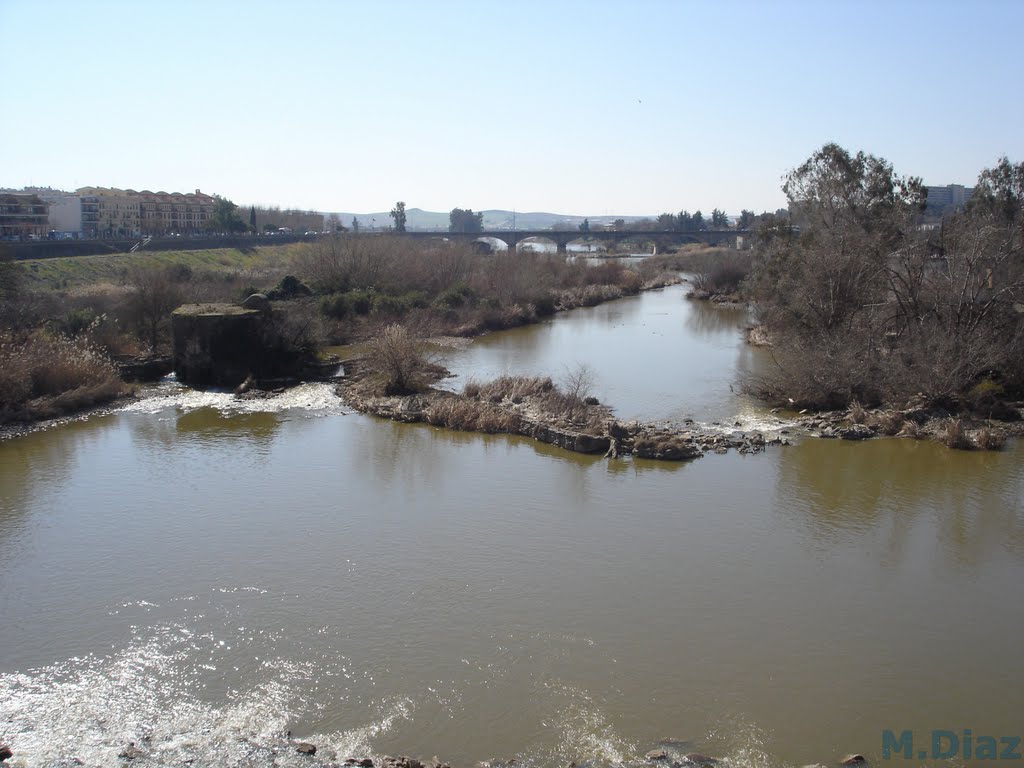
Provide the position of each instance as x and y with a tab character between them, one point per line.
190	572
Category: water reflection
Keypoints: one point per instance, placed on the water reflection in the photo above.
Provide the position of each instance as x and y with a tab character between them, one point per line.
706	319
975	499
37	466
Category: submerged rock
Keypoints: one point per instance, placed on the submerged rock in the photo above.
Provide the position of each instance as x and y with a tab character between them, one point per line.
656	754
855	432
696	758
131	752
850	760
305	748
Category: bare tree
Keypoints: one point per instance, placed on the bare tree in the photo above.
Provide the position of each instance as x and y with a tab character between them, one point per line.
155	294
401	360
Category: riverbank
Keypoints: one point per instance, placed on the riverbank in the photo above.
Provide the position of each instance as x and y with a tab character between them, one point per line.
954	429
537	408
667	753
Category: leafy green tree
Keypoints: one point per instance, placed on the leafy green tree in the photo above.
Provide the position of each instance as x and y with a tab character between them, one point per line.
619	224
719	220
585	226
252	218
666	221
225	216
355	225
464	220
697	223
746	219
398	214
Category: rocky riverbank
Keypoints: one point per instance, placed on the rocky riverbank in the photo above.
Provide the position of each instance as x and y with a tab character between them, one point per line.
269	751
953	427
534	407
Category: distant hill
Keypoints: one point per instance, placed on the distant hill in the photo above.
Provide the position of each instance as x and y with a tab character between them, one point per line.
418	219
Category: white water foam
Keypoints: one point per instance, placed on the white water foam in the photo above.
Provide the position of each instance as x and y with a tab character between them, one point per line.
315	399
151	694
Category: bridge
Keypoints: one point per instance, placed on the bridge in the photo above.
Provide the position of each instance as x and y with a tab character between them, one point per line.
562	238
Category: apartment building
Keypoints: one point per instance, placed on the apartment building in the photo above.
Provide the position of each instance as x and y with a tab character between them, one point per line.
129	213
23	216
118	212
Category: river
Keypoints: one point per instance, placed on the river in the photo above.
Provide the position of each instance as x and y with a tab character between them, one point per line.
189	572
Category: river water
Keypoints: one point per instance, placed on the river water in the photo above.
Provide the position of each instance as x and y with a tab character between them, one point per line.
190	572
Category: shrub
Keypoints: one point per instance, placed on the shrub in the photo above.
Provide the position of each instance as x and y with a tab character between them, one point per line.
390	306
400	360
290	287
988	439
857	413
954	435
337	306
75	322
889	423
544	305
44	366
458	295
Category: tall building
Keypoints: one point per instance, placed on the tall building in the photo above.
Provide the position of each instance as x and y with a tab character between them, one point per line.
944	199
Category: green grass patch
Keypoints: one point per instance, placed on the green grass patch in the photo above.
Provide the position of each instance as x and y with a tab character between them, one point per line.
73	271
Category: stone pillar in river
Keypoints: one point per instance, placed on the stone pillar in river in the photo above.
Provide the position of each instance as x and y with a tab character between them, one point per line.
217	345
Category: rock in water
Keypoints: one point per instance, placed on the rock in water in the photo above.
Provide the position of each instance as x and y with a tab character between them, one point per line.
696	758
853	760
131	752
305	748
656	754
5	752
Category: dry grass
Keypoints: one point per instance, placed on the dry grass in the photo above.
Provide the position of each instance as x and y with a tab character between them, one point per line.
512	388
857	414
570	405
472	416
911	429
953	434
401	360
44	375
988	439
889	423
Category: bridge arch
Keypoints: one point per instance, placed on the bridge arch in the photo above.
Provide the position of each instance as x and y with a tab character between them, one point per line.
490	244
529	243
593	244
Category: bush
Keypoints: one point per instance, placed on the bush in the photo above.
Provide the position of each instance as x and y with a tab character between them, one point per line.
458	295
337	306
75	322
390	306
987	439
954	435
290	287
44	367
544	305
400	360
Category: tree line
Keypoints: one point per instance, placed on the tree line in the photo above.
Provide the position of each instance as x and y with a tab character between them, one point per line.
867	304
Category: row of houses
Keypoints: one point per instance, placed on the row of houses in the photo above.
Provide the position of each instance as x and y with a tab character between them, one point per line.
94	212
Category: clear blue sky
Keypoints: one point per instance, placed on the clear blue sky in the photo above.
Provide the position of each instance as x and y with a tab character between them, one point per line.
575	107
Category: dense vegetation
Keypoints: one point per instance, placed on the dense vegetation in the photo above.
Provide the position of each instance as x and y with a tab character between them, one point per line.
865	306
77	313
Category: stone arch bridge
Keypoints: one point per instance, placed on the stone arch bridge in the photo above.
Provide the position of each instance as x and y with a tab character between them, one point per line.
731	238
